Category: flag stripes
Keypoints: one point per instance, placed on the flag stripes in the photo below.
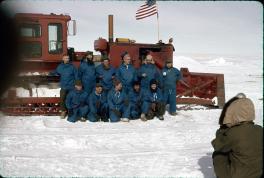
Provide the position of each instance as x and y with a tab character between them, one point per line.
146	11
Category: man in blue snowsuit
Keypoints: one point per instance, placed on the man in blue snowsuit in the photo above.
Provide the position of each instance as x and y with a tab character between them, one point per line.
135	100
87	72
98	105
76	103
171	76
68	74
126	73
153	104
118	103
105	74
147	72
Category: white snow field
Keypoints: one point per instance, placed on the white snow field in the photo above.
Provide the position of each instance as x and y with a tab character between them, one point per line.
179	146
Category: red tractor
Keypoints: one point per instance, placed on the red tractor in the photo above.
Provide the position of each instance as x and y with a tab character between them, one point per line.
44	42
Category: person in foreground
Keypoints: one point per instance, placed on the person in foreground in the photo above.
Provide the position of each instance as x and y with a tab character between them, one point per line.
238	146
76	103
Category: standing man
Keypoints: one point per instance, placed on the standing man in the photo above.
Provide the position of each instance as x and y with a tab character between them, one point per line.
87	72
105	74
98	105
153	104
147	72
171	76
76	103
118	103
68	74
126	73
135	100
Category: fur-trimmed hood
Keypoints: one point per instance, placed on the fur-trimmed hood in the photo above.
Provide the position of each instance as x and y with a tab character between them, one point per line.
239	110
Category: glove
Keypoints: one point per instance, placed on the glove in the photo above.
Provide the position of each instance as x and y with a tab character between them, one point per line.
117	113
97	104
153	106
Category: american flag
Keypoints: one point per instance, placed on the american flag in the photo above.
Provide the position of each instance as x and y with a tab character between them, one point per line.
147	9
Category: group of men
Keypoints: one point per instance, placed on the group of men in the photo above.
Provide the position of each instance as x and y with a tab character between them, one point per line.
105	93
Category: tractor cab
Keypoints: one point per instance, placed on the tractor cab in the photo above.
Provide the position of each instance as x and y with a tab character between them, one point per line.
43	39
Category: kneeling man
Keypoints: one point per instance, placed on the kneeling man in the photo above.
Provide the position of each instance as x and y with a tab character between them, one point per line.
153	104
76	103
98	105
118	103
135	100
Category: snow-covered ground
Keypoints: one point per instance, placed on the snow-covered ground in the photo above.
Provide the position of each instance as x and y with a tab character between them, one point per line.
176	147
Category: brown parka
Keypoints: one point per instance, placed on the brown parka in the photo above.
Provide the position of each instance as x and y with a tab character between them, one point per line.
238	146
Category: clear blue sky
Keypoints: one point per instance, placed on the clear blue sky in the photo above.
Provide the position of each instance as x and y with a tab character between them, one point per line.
204	27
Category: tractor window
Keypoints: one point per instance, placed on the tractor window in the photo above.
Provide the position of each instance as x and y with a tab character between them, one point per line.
55	38
31	49
30	30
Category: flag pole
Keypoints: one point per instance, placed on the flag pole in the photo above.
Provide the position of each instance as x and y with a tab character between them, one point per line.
158	26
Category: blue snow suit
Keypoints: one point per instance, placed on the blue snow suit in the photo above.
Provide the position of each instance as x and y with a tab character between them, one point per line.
118	104
76	105
87	76
151	97
170	77
136	101
98	107
68	74
151	72
105	76
127	74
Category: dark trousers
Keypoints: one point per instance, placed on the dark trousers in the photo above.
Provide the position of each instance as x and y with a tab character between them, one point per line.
158	110
77	113
170	98
63	94
135	110
99	113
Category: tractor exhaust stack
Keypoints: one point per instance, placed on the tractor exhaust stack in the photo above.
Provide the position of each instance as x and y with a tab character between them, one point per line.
110	28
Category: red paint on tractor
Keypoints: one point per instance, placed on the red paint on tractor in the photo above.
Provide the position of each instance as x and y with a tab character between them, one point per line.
45	40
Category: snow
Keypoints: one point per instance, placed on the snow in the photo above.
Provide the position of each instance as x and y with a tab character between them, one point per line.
220	61
176	147
29	74
42	91
192	65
